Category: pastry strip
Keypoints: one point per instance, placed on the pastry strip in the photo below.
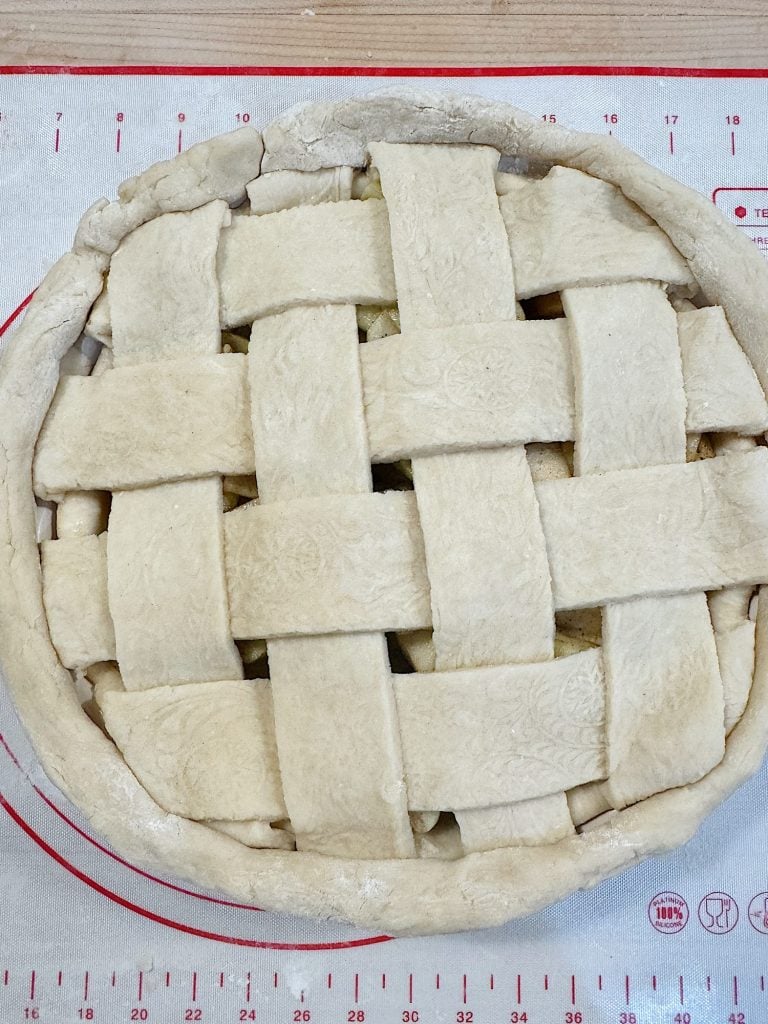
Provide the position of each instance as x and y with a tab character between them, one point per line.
489	384
535	822
490	588
282	190
478	737
335	719
135	426
167	592
630	404
202	751
488	569
664	691
331	253
721	387
570	229
163	295
75	597
337	564
632	527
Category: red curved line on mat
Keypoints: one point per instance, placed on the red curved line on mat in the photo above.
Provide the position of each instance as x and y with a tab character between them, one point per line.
19	309
159	919
94	842
11	754
139	871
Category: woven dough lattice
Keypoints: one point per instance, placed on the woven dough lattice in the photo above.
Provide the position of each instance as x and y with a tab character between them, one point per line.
469	568
402	512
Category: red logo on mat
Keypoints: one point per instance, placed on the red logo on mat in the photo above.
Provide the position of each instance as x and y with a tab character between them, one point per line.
668	912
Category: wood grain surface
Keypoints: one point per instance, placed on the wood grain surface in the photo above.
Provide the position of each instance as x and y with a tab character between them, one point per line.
704	33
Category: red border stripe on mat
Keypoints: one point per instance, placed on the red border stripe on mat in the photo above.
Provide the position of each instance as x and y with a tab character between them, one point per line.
383	72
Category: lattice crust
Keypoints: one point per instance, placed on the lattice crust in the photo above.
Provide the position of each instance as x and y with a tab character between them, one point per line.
571	575
481	554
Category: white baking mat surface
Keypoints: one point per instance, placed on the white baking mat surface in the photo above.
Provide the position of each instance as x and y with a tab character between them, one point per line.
86	936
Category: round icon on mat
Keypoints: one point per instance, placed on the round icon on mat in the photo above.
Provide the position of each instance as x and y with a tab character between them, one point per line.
668	912
757	912
718	913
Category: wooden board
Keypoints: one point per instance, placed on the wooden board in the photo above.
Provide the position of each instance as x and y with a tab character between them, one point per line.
397	32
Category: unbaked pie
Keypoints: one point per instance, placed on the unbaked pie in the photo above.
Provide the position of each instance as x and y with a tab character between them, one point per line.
402	500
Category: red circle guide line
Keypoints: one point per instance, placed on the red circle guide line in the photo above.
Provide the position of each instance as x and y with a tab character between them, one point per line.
16	313
109	853
145	874
244	71
159	919
148	914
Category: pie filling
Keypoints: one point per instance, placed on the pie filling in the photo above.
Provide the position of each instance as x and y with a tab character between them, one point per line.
411	511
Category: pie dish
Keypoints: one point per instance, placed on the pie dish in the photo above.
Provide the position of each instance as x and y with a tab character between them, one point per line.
384	510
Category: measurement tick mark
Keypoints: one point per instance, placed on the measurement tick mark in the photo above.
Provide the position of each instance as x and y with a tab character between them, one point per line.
357	987
221	980
733	143
247	987
491	983
86	980
178	149
194	986
653	983
437	981
519	990
32	985
5	977
672	143
573	990
117	141
709	984
141	984
735	991
58	979
56	140
464	989
410	988
546	982
330	980
682	994
626	989
383	981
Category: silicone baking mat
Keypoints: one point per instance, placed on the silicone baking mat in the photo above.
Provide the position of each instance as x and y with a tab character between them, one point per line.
84	935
